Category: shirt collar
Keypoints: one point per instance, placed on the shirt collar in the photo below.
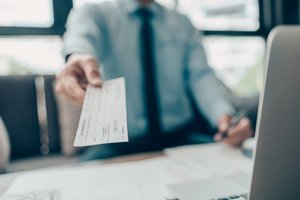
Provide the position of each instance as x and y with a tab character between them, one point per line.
132	6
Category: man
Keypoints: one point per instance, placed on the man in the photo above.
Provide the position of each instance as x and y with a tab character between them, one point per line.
160	55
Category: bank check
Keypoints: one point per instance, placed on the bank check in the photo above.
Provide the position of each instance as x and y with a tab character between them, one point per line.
103	117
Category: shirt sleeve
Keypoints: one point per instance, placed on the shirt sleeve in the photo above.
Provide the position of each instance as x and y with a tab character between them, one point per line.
84	32
211	95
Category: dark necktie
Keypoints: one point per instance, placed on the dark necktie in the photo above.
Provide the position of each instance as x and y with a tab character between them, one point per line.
149	70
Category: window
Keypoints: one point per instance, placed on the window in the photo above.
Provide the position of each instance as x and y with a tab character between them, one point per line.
30	41
30	55
219	14
238	61
234	34
29	13
79	3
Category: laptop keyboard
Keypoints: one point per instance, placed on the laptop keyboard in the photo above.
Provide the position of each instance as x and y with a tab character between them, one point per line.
234	197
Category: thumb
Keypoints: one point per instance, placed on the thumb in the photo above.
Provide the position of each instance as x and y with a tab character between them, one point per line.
218	137
224	122
222	126
92	73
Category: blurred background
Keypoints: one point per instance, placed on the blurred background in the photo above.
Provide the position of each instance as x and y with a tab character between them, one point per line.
235	33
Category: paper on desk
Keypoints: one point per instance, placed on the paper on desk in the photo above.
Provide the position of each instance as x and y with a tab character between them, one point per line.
215	160
141	180
103	117
34	195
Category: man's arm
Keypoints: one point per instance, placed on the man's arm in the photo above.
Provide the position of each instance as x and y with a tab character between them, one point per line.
209	92
85	32
211	96
82	50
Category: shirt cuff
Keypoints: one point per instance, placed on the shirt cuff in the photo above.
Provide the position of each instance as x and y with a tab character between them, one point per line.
69	52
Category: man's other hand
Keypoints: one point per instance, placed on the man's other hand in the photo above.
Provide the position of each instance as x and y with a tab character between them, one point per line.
80	70
235	135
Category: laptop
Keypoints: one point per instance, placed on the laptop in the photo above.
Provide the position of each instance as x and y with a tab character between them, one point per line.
276	173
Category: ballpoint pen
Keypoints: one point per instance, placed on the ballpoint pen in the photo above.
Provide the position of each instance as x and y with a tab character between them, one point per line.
234	122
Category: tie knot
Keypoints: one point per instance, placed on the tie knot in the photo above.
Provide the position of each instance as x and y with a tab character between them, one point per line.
145	13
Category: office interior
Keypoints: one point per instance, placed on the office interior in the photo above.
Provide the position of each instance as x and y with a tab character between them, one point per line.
38	126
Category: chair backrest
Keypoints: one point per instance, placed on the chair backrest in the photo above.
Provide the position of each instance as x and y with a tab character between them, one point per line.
19	111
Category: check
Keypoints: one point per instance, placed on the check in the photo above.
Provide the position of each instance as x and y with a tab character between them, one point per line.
103	117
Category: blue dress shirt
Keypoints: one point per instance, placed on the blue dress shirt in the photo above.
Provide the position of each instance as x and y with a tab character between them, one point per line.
110	32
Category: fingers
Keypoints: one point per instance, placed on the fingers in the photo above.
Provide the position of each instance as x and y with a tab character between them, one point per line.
60	90
224	122
223	126
218	137
80	71
91	71
237	134
69	86
243	126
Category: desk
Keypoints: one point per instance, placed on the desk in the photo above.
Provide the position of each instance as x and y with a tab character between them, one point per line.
7	179
143	176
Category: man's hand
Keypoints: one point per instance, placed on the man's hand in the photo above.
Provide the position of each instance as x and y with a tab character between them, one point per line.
235	135
80	70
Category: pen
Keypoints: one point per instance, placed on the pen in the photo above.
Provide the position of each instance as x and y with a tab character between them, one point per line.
234	122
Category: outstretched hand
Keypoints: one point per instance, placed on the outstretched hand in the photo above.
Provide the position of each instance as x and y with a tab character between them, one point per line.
80	70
